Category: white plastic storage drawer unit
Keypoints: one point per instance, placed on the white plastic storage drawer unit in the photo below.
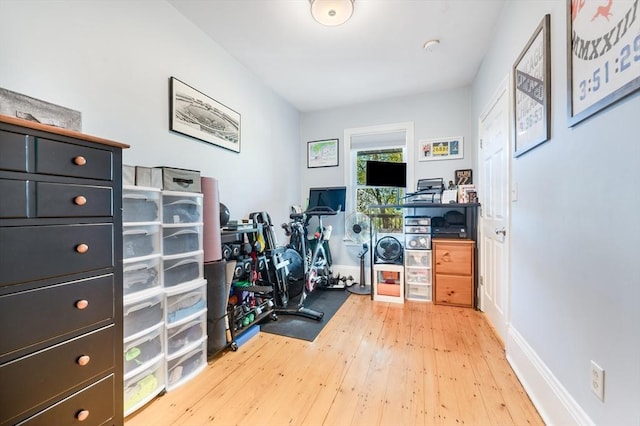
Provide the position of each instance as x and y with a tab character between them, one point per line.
141	240
140	204
179	269
142	312
139	351
142	274
184	366
181	207
143	386
181	239
185	333
185	300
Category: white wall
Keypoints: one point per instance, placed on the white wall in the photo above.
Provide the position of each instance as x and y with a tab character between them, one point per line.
575	284
112	61
435	115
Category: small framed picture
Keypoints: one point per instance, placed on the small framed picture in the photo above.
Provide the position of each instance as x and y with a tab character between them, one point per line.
440	149
322	153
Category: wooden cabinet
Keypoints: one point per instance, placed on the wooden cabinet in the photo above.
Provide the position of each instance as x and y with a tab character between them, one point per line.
60	276
453	271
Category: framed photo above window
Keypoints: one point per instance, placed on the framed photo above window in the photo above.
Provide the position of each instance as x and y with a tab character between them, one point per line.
197	115
603	59
322	153
440	149
532	87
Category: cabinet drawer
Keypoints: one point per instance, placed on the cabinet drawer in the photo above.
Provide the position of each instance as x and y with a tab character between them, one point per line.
453	258
59	200
65	159
35	311
96	399
46	375
13	194
13	151
454	290
53	251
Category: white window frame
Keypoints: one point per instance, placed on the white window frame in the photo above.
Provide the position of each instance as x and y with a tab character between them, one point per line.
350	155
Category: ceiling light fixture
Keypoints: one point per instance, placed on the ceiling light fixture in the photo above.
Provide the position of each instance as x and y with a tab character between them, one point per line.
429	45
331	12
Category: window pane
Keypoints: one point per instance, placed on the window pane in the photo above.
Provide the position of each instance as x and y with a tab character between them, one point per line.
386	220
391	155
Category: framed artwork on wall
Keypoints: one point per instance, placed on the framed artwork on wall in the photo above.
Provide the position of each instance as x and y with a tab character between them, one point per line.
322	153
532	91
440	149
603	55
195	114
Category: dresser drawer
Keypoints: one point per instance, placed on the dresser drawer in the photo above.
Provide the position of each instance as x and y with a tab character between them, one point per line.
46	375
64	159
13	151
454	290
453	258
53	312
60	200
95	401
53	251
13	194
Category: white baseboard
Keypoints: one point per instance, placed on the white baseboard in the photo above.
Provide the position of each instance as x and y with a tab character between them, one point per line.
554	403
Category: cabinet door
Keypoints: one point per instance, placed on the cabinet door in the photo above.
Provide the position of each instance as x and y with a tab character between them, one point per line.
454	290
453	258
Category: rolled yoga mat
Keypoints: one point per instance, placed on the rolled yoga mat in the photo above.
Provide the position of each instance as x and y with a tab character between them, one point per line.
211	215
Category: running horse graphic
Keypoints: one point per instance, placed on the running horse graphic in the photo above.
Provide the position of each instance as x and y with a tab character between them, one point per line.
604	11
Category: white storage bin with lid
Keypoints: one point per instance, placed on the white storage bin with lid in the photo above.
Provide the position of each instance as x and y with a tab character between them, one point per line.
179	269
141	273
140	204
186	333
181	239
141	240
181	207
141	387
142	312
140	351
185	365
185	300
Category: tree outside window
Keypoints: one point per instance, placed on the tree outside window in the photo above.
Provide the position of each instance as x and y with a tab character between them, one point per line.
387	219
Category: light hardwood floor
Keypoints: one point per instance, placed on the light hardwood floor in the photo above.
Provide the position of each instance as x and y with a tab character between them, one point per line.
373	364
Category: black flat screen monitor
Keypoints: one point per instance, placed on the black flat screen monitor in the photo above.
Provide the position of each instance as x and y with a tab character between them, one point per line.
333	198
384	173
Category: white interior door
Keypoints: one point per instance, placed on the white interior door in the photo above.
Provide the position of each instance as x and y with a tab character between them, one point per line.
494	193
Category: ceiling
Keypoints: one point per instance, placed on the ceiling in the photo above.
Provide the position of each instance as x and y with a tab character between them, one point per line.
377	54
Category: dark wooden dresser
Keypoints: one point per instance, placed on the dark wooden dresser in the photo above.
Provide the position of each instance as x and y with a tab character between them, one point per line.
60	276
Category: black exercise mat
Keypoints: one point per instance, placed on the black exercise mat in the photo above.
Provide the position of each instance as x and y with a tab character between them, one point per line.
327	301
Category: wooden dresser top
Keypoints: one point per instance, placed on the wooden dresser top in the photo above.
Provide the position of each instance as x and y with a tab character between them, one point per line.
60	131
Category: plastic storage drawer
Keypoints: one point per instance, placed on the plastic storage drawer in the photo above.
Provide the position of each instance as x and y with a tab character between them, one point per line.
185	300
417	242
140	205
185	334
418	276
183	367
141	240
418	292
417	221
417	229
141	275
180	240
140	351
418	258
179	270
181	207
144	386
142	311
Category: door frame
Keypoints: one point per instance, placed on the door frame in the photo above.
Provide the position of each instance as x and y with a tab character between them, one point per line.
505	86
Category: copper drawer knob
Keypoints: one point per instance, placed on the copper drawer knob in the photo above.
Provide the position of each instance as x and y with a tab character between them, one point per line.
80	200
82	248
79	160
82	415
82	304
84	360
